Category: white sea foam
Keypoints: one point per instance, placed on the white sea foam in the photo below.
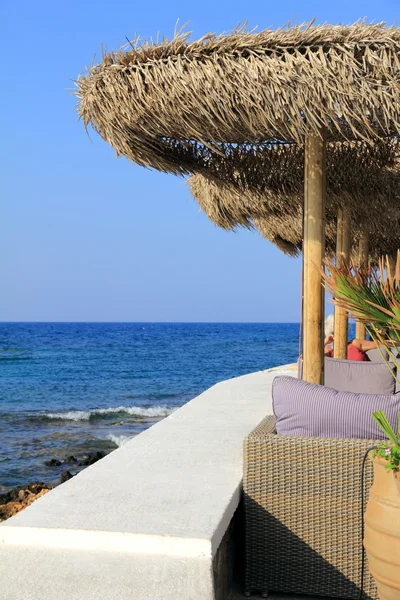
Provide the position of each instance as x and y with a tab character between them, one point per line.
134	411
119	440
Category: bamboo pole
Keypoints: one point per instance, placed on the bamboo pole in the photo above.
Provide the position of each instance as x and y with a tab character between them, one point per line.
342	253
313	254
363	257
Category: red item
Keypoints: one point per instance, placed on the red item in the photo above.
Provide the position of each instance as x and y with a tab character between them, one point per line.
354	353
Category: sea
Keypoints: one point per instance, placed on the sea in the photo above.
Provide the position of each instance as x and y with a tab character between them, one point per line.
71	389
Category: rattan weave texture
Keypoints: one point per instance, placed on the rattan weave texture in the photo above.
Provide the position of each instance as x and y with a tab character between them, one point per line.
302	500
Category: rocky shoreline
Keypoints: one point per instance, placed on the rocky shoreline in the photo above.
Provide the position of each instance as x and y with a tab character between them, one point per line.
16	499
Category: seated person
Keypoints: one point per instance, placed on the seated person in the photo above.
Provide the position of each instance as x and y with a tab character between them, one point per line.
356	349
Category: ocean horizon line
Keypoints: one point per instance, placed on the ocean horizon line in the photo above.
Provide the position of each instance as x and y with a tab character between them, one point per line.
66	322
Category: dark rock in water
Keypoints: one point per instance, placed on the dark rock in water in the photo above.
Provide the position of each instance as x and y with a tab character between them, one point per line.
91	458
18	498
65	475
71	459
83	461
53	463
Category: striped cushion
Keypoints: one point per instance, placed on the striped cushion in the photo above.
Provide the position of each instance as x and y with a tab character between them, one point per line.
304	409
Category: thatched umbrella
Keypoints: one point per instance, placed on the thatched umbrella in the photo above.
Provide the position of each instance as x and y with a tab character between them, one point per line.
283	225
279	216
167	105
247	187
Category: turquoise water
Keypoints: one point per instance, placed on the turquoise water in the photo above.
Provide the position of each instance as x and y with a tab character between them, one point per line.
71	388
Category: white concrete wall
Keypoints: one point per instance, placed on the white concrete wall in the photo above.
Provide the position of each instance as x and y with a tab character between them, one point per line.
146	521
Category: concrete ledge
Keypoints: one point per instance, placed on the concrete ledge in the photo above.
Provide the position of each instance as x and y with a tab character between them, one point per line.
112	541
169	494
31	573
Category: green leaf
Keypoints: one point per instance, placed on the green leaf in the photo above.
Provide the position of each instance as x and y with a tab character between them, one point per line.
380	418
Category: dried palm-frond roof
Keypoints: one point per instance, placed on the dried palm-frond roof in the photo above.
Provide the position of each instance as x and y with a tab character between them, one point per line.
360	176
278	216
155	102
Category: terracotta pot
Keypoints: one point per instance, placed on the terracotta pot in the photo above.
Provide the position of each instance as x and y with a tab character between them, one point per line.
382	531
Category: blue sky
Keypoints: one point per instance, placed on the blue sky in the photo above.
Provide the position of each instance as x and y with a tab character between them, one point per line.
87	237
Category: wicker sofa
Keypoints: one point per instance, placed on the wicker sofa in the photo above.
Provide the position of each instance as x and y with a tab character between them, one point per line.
303	523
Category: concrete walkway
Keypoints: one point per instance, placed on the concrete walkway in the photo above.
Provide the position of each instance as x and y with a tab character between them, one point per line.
145	522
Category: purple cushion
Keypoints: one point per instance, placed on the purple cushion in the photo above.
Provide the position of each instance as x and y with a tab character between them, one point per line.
378	356
308	410
359	377
381	355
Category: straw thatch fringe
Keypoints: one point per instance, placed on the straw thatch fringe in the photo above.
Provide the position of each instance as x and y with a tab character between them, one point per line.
150	100
363	177
278	216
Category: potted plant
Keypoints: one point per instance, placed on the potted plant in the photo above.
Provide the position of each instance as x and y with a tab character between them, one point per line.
382	517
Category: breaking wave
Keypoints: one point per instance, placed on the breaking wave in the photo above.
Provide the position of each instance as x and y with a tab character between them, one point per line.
98	413
119	440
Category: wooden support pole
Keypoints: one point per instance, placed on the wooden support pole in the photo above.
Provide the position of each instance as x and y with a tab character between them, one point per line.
313	254
363	257
342	253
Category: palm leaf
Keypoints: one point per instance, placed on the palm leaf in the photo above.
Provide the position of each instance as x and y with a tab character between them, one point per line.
380	418
372	296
